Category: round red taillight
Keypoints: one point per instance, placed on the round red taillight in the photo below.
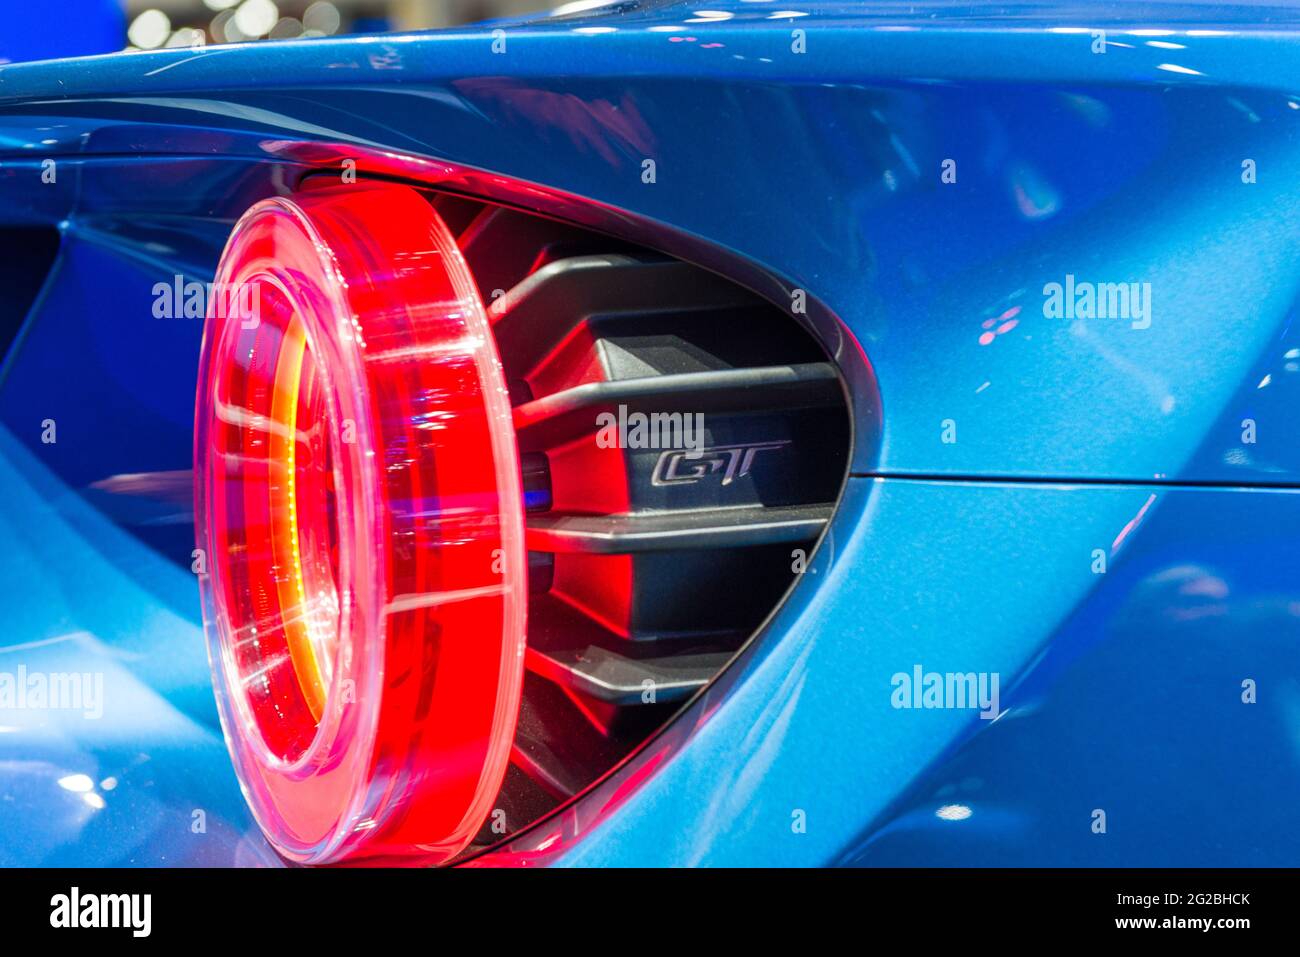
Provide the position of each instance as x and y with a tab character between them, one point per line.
358	502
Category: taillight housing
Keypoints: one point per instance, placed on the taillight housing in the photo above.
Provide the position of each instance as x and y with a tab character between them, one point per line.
359	509
393	481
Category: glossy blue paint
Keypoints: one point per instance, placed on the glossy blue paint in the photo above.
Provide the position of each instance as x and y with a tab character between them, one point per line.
818	171
83	27
1135	707
136	773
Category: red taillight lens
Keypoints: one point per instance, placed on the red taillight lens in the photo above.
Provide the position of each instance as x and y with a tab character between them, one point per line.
357	497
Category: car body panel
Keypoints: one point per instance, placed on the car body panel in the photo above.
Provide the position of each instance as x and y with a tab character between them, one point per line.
817	171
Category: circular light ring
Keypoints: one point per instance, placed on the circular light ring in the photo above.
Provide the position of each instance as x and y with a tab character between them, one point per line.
358	497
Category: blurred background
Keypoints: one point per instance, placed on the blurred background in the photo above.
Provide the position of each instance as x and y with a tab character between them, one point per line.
44	29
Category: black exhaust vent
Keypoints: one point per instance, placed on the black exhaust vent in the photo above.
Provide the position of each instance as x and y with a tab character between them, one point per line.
649	566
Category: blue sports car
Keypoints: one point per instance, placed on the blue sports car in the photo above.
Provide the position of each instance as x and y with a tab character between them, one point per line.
744	432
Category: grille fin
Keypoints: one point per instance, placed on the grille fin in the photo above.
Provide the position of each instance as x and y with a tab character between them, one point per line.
569	413
670	531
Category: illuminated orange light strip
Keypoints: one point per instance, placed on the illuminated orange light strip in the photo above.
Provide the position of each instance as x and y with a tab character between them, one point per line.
284	525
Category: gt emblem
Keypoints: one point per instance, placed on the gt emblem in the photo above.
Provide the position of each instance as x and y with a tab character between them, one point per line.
685	467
